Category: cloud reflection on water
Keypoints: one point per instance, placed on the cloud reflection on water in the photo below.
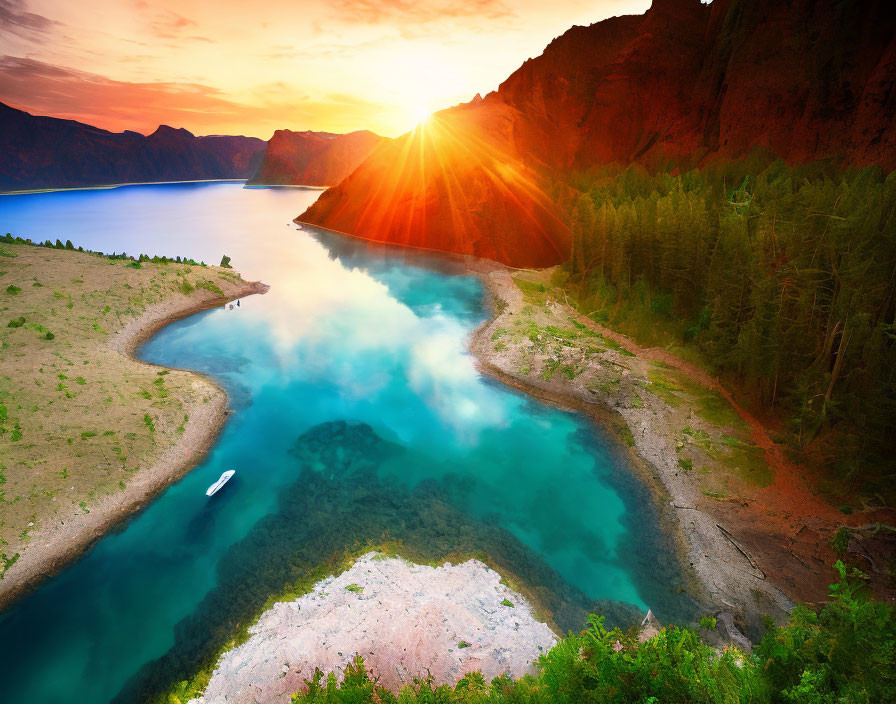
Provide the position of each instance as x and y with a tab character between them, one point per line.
317	305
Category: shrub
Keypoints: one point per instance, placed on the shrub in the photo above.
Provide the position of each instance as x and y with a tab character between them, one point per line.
209	286
17	323
708	622
840	540
225	262
846	653
12	289
596	666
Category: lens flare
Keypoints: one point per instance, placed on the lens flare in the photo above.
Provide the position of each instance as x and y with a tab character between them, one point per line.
420	114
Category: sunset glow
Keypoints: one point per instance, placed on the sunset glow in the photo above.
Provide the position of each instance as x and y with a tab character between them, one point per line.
410	177
322	319
250	68
420	114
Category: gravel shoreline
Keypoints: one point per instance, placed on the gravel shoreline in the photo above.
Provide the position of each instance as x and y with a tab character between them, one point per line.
721	570
52	549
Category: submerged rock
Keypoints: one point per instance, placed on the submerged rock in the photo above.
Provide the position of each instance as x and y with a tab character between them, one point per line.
405	620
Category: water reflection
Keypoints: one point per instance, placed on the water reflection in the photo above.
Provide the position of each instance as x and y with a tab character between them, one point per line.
338	502
354	349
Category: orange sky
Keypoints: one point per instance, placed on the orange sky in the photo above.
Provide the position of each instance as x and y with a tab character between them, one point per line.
228	67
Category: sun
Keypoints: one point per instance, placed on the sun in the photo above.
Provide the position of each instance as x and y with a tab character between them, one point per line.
420	113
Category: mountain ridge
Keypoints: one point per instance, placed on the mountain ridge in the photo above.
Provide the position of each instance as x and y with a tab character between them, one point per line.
684	84
313	158
50	152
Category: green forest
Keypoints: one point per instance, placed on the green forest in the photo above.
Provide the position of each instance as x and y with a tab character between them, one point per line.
844	654
781	280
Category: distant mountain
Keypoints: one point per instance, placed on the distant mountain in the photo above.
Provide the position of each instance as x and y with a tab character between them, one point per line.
46	152
313	158
685	84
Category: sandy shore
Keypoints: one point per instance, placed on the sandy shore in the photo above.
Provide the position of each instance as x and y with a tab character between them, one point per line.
60	543
738	550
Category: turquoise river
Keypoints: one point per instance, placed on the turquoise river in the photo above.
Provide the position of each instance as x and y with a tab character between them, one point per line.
359	417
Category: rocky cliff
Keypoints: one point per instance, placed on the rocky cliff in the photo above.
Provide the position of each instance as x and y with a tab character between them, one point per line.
454	184
46	152
405	620
313	158
684	84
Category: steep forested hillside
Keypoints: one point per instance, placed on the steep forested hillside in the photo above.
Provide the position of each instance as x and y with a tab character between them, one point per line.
783	279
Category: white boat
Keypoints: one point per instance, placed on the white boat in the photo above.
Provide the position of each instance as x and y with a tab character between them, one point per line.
213	489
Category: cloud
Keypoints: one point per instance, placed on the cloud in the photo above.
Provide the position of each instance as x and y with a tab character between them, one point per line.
418	11
346	100
168	24
15	18
322	300
332	47
47	89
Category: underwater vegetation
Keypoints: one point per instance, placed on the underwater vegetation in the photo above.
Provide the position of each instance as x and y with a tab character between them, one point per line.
338	507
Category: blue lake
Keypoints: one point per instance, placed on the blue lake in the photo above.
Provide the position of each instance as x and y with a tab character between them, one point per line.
359	417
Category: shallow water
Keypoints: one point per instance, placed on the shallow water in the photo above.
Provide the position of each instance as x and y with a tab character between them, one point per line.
360	416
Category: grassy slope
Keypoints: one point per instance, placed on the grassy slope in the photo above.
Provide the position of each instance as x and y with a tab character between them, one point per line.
710	436
80	418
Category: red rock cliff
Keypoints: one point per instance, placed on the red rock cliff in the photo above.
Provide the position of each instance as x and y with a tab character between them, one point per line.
686	83
313	158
